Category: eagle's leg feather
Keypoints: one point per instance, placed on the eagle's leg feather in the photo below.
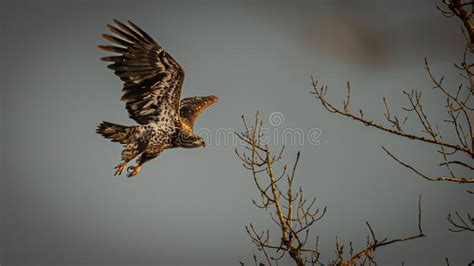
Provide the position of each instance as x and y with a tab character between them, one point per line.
131	151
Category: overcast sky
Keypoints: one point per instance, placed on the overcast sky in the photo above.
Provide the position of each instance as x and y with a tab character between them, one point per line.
62	205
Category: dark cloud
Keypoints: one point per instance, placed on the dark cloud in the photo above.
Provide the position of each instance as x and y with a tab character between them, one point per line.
371	33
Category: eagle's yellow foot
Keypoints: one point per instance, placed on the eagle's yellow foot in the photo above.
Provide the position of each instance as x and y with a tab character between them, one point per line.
133	170
120	168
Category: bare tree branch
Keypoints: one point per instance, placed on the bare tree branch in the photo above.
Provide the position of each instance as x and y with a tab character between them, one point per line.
291	212
373	243
458	8
451	179
458	107
461	224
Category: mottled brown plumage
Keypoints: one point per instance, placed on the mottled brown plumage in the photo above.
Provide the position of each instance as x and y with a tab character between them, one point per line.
152	90
191	108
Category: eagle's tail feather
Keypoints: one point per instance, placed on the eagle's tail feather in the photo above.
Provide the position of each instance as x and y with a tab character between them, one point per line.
114	132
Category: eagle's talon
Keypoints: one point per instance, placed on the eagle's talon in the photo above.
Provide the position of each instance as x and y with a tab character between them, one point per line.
133	170
119	168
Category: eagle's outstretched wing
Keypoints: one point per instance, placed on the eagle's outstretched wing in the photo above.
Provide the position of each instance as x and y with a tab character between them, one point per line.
152	78
192	107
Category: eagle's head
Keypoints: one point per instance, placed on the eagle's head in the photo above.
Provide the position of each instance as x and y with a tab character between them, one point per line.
191	141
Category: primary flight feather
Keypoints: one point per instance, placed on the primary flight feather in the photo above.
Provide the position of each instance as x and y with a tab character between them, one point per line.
152	93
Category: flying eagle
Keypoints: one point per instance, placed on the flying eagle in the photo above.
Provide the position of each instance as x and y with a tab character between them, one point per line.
152	94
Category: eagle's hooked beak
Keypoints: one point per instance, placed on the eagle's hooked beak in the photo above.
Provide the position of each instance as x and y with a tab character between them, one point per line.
200	142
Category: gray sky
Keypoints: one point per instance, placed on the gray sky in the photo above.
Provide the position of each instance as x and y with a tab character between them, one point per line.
62	205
